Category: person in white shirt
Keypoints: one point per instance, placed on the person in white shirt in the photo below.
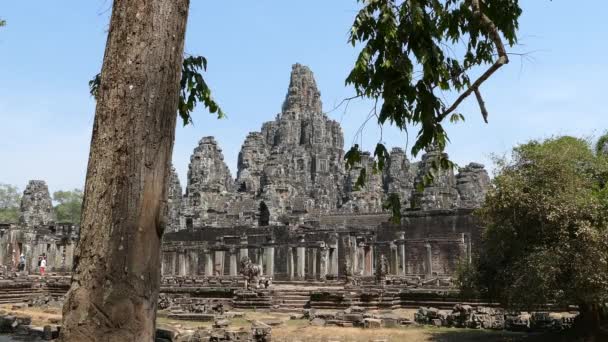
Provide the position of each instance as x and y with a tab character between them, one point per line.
42	266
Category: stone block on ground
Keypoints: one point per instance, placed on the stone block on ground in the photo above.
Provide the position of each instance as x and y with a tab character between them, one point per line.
372	323
318	322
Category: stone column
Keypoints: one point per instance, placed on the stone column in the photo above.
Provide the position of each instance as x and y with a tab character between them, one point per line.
429	260
269	256
244	251
403	268
290	264
369	261
182	263
218	269
69	256
467	239
193	263
333	260
233	263
300	262
360	259
56	252
394	263
313	263
324	262
259	260
171	261
208	264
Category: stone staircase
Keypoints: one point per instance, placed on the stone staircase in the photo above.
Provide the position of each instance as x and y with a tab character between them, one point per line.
19	291
291	299
249	299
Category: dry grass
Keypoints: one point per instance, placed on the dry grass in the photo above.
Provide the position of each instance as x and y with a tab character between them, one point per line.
301	331
40	317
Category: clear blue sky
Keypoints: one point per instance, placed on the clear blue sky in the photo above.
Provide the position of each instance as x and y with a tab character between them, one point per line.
50	49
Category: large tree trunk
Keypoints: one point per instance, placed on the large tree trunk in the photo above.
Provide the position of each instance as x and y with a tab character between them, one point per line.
117	262
588	323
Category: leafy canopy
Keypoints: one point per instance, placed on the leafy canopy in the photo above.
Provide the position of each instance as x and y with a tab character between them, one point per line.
193	89
415	51
10	199
546	239
69	205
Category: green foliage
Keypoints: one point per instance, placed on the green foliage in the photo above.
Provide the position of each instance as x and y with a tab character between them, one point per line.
547	226
393	203
69	205
466	280
193	89
2	22
601	146
410	57
10	200
94	85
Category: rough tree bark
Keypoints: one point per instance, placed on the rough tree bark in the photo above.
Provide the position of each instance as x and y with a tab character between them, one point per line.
116	277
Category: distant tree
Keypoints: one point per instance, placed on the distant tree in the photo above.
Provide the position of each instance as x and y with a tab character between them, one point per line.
601	147
69	205
546	238
10	199
416	52
264	212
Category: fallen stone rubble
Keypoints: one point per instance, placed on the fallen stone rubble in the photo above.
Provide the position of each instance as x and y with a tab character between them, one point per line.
466	316
21	325
220	332
353	316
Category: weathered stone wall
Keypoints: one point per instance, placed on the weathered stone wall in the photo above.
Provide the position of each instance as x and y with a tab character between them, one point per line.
423	245
174	202
38	234
56	242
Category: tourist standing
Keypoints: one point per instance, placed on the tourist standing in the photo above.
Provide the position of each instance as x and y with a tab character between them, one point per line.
21	266
42	265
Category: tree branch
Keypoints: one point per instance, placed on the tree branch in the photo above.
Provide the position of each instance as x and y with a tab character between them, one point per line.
482	105
502	60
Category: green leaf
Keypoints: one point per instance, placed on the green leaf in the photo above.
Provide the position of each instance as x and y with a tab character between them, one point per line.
193	89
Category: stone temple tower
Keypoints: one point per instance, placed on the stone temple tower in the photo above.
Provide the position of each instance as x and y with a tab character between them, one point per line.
36	205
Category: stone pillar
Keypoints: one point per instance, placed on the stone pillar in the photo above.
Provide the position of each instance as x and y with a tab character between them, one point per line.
394	261
233	263
290	264
182	263
56	257
428	260
244	251
69	256
193	263
174	263
324	262
403	268
269	256
333	261
218	269
208	264
313	263
353	255
300	262
467	238
369	261
360	259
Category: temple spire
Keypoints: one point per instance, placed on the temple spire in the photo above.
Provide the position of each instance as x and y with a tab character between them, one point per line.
303	97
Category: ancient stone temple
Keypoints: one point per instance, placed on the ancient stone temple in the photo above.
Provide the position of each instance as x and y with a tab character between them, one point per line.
293	207
37	233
